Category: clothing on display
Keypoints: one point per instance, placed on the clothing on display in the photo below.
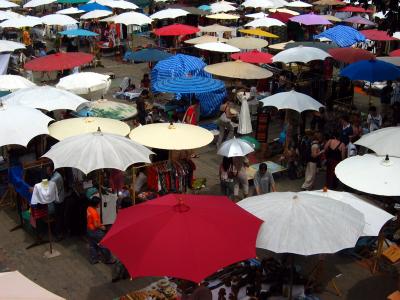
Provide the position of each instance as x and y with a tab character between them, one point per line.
44	193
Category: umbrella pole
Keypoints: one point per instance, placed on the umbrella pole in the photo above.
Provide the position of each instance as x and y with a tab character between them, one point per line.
379	250
291	276
100	194
133	185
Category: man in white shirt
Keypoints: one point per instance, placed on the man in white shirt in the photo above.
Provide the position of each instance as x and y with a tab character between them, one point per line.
59	206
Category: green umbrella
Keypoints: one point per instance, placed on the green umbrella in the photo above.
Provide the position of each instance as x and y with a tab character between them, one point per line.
72	1
252	141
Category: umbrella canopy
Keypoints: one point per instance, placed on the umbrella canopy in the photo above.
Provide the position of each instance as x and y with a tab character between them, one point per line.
322	46
393	53
238	69
69	11
176	29
176	234
223	16
8	14
150	55
75	126
371	174
299	4
92	151
284	10
371	70
235	147
344	36
59	61
252	141
216	28
397	35
292	100
36	3
390	59
254	57
265	22
14	285
304	224
259	32
280	46
300	54
104	108
7	4
58	19
131	18
19	124
44	97
350	55
258	15
10	46
171	136
385	141
221	6
205	39
329	3
354	9
84	83
359	20
205	7
93	6
14	82
25	21
78	32
310	19
96	14
283	17
377	35
122	4
169	13
189	85
217	47
258	4
331	18
247	43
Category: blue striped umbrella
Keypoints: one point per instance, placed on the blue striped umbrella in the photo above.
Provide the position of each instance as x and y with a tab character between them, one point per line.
344	36
149	55
189	85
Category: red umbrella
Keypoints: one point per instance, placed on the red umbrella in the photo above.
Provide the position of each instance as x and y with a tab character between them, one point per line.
350	55
182	236
59	61
283	17
377	35
354	9
395	53
254	57
176	29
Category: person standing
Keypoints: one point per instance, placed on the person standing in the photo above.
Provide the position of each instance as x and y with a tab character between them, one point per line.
312	162
263	180
226	175
59	206
225	123
141	106
374	119
347	130
192	113
335	152
240	163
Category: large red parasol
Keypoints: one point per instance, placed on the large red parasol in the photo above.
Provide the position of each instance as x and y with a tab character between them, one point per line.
350	55
395	53
281	16
183	236
253	57
176	29
354	9
59	61
377	35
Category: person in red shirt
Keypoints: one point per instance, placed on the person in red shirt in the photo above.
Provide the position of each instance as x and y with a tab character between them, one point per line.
192	113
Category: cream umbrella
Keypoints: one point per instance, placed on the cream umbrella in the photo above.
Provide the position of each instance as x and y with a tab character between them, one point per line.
130	18
331	18
265	22
300	54
36	3
285	10
58	19
7	4
329	3
10	46
299	4
169	13
385	141
258	15
171	136
96	14
247	43
234	148
85	83
70	11
280	46
238	69
122	4
396	35
205	39
25	21
221	6
70	127
259	4
217	47
292	100
8	14
19	124
223	16
14	82
216	28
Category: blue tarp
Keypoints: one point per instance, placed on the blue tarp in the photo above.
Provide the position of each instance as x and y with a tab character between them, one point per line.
78	32
371	70
93	6
344	36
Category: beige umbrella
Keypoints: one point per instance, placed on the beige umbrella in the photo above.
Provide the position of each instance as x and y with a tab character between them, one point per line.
223	16
171	136
238	69
279	46
331	18
247	43
216	28
329	3
205	39
285	10
70	127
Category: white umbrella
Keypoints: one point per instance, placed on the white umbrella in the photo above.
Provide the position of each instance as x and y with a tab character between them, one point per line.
258	15
217	47
10	46
285	10
396	35
244	115
35	3
8	14
14	82
26	21
44	97
292	100
371	174
69	11
374	216
58	19
98	150
122	4
395	60
300	4
304	224
259	3
96	14
205	39
223	16
247	43
379	15
216	28
265	22
235	147
300	54
221	6
131	18
169	13
7	4
238	69
19	124
85	83
385	141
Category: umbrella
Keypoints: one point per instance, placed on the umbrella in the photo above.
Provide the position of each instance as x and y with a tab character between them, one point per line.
176	29
385	141
131	18
371	70
205	39
354	9
264	22
217	47
310	19
223	16
36	3
7	4
252	141
205	7
292	100
259	32
377	35
44	97
344	36
300	54
247	43
58	19
221	6
393	53
390	59
331	18
78	32
189	85
96	14
75	126
25	21
371	174
397	35
14	82
254	57
59	61
19	124
359	20
258	15
70	11
281	46
10	46
150	55
176	234
194	10
304	224
329	3
169	13
171	136
299	4
283	17
235	147
258	4
216	28
238	69
322	46
380	15
93	6
122	4
92	151
85	83
104	108
350	55
374	216
14	285
284	10
8	14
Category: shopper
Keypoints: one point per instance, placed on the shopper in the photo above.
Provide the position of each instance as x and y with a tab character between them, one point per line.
314	153
264	181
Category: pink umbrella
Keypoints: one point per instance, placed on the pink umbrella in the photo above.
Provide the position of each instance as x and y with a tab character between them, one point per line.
310	19
377	35
358	20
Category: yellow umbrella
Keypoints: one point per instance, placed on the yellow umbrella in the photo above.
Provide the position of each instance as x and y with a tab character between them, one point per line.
238	69
247	43
75	126
280	46
285	10
259	32
205	39
331	18
223	16
175	136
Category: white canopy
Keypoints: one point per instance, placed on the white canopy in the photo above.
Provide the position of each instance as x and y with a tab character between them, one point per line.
265	22
70	11
221	6
36	3
258	15
259	3
299	4
58	19
8	14
300	54
26	21
217	47
96	14
235	147
122	4
205	39
131	18
14	82
169	13
84	83
10	46
7	4
385	141
292	100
